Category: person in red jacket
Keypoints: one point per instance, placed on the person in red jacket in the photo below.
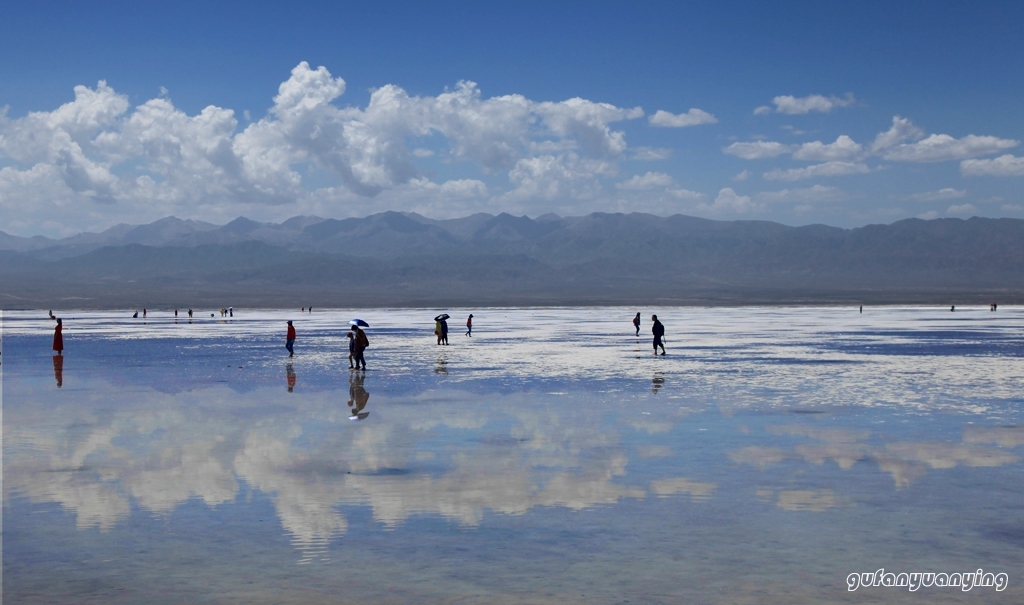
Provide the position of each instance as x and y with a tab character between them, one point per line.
290	342
58	338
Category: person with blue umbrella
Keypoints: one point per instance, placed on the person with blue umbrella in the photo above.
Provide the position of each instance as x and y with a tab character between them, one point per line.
359	342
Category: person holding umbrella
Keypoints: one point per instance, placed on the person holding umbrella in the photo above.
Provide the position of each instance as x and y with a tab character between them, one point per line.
441	328
360	342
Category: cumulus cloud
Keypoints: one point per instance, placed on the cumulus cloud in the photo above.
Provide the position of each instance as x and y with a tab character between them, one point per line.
650	153
728	202
651	180
816	193
961	210
947	193
693	117
817	170
1004	165
942	147
791	105
155	159
844	148
758	150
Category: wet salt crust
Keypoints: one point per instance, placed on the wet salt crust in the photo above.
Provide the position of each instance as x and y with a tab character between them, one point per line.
549	458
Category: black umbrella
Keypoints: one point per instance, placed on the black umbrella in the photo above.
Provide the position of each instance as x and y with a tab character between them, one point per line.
359	322
442	317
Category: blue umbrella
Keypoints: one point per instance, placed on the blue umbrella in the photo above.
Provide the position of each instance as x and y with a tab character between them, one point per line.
360	323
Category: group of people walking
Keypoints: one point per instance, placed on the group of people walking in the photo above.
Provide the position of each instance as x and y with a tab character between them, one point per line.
657	329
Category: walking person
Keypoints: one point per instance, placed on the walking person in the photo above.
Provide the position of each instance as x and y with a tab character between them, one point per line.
58	337
437	330
659	333
290	339
361	342
469	325
351	350
636	324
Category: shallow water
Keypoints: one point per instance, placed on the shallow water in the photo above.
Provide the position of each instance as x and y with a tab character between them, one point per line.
549	458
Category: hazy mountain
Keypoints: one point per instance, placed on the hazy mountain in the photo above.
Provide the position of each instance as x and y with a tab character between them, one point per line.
396	258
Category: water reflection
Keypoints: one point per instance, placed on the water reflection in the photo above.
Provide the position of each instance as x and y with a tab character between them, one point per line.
58	369
657	382
906	461
357	395
692	460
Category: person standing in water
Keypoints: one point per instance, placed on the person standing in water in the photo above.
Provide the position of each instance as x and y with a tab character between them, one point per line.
190	313
437	330
444	331
361	342
290	339
58	337
351	350
469	325
659	333
636	324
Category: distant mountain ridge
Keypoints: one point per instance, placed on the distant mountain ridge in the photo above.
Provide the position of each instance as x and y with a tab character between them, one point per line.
395	258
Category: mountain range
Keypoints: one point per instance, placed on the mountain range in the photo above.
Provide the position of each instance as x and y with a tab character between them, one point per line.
404	259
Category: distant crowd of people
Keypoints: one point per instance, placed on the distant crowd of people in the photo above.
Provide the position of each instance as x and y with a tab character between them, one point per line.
358	341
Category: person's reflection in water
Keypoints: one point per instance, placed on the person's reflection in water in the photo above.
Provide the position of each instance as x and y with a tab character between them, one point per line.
290	371
442	365
657	382
357	396
58	369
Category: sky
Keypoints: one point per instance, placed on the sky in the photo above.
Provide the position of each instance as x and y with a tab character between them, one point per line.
842	113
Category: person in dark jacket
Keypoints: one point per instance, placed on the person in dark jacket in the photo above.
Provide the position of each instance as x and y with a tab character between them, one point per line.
636	323
659	332
361	342
444	331
290	339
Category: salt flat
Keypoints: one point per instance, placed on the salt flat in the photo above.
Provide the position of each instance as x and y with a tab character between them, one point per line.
550	457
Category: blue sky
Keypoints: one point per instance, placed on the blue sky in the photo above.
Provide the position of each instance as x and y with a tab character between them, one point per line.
798	112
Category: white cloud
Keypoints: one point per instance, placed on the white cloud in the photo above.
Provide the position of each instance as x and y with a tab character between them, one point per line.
1004	165
961	210
816	193
791	105
947	193
556	179
154	159
685	194
728	202
817	170
907	143
742	176
650	153
693	117
930	215
1012	208
900	132
757	150
844	148
651	180
942	147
